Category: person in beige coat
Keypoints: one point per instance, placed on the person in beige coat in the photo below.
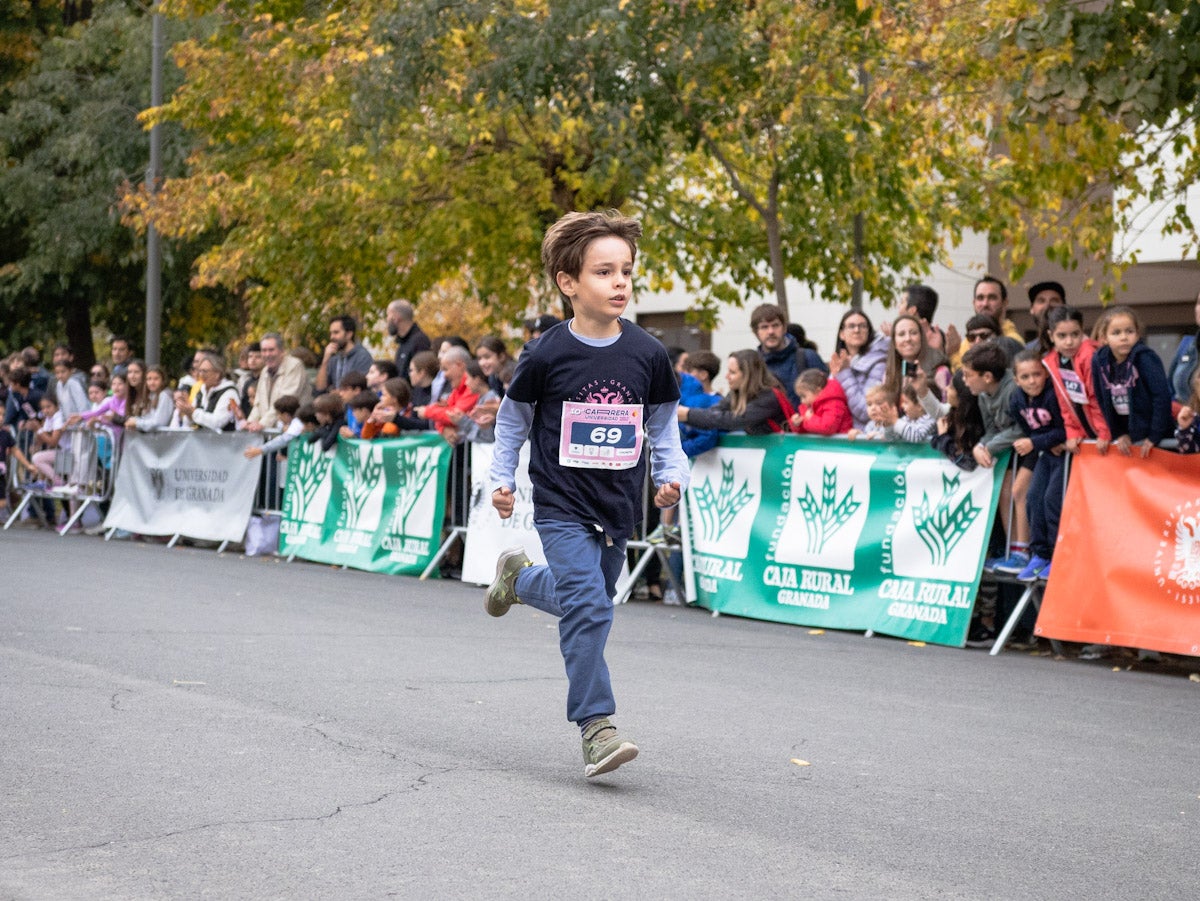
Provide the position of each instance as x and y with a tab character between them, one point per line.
281	374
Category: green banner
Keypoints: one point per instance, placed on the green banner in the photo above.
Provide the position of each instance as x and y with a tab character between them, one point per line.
372	505
841	534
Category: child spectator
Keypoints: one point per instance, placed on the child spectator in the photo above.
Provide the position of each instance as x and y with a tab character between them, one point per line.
394	403
986	375
1069	366
479	424
1034	408
823	407
155	404
308	419
330	410
110	411
881	414
960	427
45	441
695	391
286	408
421	371
352	384
597	382
360	407
917	425
69	391
1187	432
378	373
97	391
1131	385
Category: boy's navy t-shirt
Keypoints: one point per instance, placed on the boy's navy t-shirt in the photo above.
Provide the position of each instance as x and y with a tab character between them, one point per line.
557	368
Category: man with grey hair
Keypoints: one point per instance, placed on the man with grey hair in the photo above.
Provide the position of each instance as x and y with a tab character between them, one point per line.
281	374
401	325
461	398
214	403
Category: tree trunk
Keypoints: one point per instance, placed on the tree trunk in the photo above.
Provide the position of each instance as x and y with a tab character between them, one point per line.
77	316
775	248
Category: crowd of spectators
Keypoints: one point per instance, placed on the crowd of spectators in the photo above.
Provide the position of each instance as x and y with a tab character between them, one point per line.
973	398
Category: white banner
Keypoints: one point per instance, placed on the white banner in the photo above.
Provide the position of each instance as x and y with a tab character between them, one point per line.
487	533
196	484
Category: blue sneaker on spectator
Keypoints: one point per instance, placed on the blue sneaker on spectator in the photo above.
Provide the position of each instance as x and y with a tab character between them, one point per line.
1012	564
1035	569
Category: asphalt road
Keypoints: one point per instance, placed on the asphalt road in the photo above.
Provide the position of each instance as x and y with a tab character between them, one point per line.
178	724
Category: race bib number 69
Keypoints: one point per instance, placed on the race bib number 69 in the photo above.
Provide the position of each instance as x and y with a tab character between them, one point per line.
600	436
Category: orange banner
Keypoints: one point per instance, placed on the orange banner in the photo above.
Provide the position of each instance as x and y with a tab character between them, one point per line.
1126	567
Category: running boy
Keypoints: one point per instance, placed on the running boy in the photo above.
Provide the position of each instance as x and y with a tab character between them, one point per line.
585	393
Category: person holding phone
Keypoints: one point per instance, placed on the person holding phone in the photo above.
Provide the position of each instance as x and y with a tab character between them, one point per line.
909	354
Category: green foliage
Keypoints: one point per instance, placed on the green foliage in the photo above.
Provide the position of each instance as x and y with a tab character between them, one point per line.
70	139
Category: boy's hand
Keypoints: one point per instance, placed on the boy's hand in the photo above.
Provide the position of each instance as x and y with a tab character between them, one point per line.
502	500
667	495
983	456
1023	446
853	433
345	432
1186	417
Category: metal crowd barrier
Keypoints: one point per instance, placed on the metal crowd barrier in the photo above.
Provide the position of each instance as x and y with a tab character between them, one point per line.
84	471
458	505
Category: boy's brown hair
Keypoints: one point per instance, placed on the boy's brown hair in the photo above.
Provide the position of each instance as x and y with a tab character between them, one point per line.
400	389
287	404
706	360
425	361
364	400
352	380
331	404
567	241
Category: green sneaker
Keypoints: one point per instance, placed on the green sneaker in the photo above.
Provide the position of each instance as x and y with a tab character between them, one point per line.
502	594
603	749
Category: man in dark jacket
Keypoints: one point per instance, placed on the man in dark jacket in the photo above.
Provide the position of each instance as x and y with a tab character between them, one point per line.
402	325
783	355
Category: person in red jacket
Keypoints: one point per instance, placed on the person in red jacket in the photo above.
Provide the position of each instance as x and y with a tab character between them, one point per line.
824	409
461	398
1070	368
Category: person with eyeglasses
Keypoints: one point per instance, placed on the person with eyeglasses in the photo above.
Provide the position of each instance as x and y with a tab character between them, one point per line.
213	405
984	327
859	362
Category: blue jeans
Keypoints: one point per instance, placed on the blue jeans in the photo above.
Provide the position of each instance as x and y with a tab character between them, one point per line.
577	585
1044	503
